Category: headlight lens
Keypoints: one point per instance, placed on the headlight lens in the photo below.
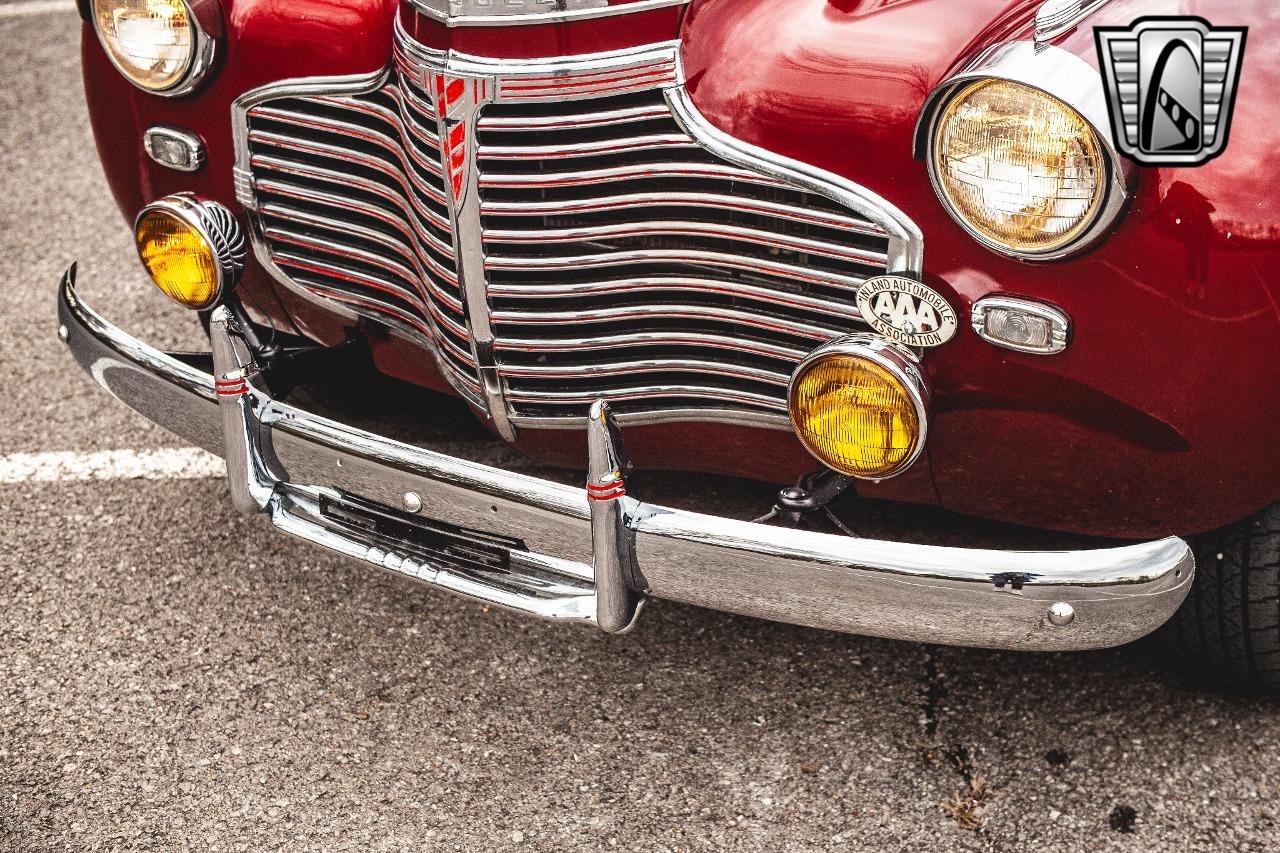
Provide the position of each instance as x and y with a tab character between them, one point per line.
151	42
178	257
1022	170
857	414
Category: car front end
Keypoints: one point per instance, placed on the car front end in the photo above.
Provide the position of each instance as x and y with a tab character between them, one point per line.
872	248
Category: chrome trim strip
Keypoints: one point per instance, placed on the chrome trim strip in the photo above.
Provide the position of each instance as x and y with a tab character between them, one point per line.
564	68
586	149
468	244
684	228
505	13
821	306
582	177
649	365
651	392
557	122
587	343
1056	17
666	311
649	417
1068	78
577	555
693	256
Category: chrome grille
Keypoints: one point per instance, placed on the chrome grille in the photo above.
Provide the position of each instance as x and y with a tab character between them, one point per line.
351	205
615	248
624	260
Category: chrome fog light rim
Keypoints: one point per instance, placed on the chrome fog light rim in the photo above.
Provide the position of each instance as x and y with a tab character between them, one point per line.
216	225
899	362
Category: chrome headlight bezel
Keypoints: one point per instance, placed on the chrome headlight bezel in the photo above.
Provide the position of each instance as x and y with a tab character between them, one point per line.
204	50
1064	77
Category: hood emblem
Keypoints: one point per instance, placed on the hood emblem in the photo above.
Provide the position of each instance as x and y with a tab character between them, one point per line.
906	312
1170	86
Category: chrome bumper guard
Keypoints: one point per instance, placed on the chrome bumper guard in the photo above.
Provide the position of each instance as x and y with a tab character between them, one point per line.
593	556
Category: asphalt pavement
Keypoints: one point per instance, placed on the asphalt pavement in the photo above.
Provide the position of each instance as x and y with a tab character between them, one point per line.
174	676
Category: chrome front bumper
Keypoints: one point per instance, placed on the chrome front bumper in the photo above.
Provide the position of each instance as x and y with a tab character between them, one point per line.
593	556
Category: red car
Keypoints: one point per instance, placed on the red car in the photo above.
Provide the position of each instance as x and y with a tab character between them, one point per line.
1015	259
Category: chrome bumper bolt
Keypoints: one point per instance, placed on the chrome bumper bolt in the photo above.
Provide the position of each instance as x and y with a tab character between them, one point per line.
412	502
1061	614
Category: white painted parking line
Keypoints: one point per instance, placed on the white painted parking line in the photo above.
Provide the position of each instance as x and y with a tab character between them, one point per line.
35	7
168	463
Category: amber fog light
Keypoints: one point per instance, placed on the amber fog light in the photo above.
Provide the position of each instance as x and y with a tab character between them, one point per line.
193	250
859	405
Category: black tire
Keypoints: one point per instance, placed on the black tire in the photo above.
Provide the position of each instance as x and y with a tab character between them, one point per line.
1228	630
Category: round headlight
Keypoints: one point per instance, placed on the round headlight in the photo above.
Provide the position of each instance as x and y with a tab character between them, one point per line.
1019	169
193	250
156	44
858	405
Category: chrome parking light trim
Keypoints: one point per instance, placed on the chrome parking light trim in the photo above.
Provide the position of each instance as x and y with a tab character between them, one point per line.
191	143
1059	323
1064	76
927	593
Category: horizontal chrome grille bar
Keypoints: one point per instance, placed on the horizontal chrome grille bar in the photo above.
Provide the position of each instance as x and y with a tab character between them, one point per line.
652	365
686	229
705	340
634	201
695	257
553	121
592	177
710	315
586	149
626	393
